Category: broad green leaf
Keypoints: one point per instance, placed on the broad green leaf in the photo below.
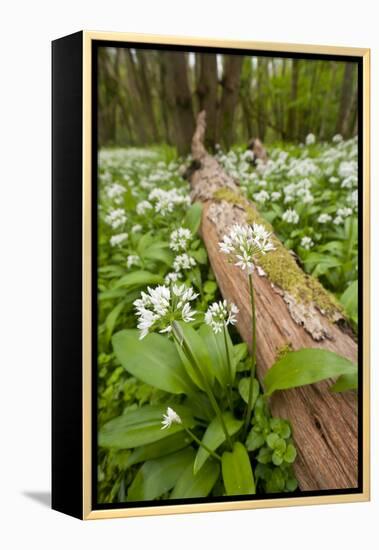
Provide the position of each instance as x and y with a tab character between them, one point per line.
194	354
160	252
306	366
254	440
240	352
192	218
215	344
191	485
346	382
160	448
111	294
237	473
200	255
158	476
154	360
244	388
138	279
140	427
349	300
144	242
111	319
214	436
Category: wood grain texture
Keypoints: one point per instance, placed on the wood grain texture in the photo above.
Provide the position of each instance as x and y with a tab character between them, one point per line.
325	425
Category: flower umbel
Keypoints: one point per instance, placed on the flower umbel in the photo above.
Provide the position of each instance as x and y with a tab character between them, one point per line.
159	307
171	417
244	243
179	239
220	314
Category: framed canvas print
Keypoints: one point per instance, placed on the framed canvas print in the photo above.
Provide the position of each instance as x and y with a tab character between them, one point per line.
210	275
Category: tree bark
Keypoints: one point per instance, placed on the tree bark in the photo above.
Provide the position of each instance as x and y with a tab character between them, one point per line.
207	87
345	99
325	426
179	98
229	99
146	95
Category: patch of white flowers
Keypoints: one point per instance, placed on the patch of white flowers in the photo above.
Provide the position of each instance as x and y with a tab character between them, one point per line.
143	207
115	192
310	139
324	218
291	216
116	218
165	201
244	243
183	262
132	260
171	417
116	240
221	314
159	307
307	243
179	239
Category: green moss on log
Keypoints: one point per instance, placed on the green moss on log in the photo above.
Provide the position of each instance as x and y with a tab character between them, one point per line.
281	267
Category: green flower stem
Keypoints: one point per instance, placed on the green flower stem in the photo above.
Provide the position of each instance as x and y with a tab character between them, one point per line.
201	444
207	388
253	354
229	389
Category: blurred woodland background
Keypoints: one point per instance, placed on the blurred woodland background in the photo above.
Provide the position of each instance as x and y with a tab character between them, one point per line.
148	97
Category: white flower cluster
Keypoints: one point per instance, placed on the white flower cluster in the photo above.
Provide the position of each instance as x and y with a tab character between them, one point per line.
324	218
310	139
299	190
159	307
142	207
307	243
291	216
180	238
132	260
261	197
116	218
245	243
221	314
165	201
115	192
183	262
171	417
116	240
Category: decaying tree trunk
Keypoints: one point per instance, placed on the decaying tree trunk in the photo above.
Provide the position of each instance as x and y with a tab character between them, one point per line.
293	311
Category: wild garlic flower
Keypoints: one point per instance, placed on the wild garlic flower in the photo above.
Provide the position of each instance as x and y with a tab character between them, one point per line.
165	201
180	238
116	218
132	260
159	307
183	262
261	197
337	138
115	192
324	218
220	314
310	139
344	212
137	228
353	199
291	216
307	243
142	207
244	243
275	196
172	277
171	417
116	240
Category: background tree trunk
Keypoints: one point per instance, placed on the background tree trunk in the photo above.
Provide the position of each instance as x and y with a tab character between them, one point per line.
179	98
207	88
292	111
345	99
229	99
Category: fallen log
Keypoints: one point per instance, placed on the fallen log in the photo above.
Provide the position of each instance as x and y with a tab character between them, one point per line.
293	311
